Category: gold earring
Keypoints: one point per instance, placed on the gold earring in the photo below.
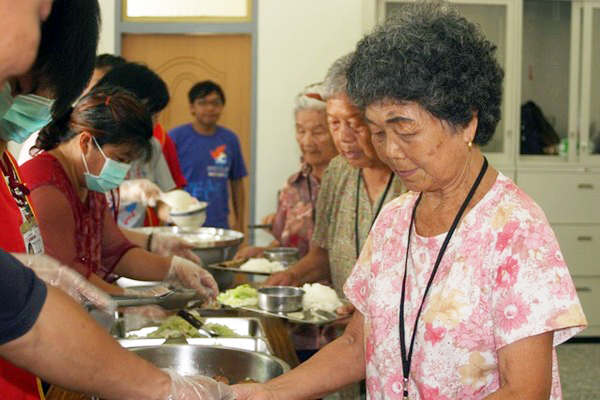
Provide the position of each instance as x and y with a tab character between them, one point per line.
470	144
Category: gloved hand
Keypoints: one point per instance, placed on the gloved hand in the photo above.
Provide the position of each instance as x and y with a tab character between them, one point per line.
146	292
167	245
74	284
139	191
191	275
197	388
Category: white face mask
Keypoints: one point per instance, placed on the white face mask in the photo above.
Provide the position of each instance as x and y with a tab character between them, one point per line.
111	176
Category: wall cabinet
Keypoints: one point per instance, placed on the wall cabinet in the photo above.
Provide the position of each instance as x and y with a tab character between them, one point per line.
550	52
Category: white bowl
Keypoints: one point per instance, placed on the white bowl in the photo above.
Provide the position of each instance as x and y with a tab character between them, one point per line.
191	218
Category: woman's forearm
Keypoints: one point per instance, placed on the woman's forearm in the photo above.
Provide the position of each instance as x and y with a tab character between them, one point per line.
138	238
338	364
142	265
313	267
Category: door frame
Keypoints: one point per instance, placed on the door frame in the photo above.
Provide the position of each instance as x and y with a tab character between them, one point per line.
207	28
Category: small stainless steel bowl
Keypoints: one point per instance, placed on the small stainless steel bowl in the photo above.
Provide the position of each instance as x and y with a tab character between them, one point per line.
280	298
285	255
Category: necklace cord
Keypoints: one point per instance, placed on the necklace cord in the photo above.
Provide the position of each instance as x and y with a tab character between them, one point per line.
407	358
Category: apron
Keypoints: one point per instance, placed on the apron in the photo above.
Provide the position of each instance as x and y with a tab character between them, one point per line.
17	383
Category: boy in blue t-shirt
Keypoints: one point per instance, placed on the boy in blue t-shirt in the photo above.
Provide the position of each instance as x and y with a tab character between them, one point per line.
210	157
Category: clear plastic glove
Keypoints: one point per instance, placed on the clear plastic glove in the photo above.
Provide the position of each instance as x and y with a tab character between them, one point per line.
140	317
139	191
197	388
146	292
74	284
191	275
168	245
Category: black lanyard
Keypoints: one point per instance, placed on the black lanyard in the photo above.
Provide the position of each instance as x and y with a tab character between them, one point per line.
310	197
356	207
407	358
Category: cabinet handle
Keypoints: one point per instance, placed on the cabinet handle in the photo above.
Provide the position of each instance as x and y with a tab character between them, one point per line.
585	186
584	238
583	289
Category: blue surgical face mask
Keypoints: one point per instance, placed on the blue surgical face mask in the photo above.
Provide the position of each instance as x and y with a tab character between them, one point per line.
27	114
6	99
110	177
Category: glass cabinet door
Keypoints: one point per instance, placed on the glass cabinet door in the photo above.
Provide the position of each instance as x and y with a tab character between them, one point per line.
548	102
590	87
494	17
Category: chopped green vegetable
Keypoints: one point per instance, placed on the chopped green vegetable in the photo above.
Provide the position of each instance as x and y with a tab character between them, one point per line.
241	296
221	330
175	326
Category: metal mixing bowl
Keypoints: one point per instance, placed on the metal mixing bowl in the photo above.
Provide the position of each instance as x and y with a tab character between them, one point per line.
285	255
212	245
280	298
235	365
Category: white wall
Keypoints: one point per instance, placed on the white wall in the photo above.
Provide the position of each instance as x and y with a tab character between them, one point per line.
107	34
297	41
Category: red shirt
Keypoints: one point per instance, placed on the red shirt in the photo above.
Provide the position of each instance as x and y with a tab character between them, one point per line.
170	153
15	383
81	235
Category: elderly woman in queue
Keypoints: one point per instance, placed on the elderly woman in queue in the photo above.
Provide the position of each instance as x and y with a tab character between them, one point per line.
293	223
87	152
461	288
355	186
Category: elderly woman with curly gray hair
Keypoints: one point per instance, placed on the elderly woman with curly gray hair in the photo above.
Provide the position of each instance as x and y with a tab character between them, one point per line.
461	290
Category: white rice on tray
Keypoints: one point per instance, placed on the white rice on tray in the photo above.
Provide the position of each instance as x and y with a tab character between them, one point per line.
321	297
262	265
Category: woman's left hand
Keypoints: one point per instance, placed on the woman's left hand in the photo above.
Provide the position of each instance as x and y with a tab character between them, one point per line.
193	276
168	245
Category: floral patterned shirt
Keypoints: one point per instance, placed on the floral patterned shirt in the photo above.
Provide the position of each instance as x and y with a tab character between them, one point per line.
503	278
293	225
336	213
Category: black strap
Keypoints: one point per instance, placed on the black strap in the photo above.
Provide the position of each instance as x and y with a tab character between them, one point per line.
356	208
310	197
407	358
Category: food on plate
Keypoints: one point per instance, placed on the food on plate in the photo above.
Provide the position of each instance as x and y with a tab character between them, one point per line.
179	200
262	265
320	297
241	296
174	326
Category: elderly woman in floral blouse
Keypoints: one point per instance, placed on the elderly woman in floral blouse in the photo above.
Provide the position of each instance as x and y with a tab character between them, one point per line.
292	224
461	290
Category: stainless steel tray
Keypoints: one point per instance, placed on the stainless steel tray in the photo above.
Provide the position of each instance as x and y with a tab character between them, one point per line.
243	326
242	343
234	266
311	316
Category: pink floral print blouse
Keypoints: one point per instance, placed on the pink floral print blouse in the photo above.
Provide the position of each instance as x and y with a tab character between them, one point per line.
503	278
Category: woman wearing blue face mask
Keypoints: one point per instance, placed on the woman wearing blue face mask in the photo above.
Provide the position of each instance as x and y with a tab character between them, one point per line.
86	153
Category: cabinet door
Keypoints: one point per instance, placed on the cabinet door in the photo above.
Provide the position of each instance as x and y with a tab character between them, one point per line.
590	84
549	81
495	18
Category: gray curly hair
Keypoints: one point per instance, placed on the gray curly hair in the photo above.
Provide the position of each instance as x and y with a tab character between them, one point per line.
430	54
335	80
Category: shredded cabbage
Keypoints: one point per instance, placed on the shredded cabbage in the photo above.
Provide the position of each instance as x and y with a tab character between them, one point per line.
241	296
175	326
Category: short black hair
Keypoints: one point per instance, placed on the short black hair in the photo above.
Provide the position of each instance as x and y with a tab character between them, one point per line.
203	89
432	55
108	61
141	81
67	50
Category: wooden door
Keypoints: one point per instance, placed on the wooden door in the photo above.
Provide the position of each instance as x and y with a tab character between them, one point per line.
183	60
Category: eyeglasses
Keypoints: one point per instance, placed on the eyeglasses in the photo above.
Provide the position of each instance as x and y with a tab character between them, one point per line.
206	103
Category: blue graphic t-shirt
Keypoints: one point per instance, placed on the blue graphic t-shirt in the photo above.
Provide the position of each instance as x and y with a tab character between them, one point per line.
208	163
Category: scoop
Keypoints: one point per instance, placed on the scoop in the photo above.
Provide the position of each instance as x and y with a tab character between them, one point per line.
178	199
172	300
